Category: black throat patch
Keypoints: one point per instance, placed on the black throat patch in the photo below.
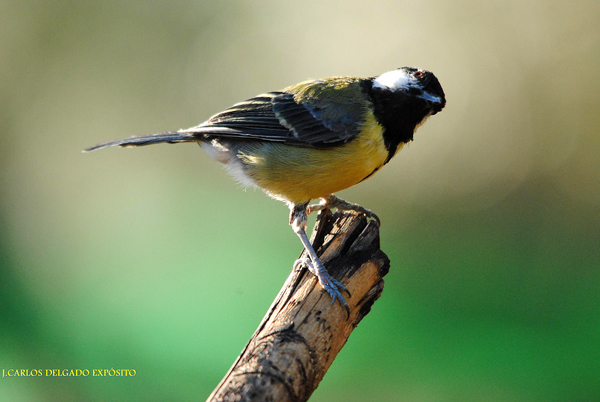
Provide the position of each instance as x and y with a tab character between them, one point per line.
397	112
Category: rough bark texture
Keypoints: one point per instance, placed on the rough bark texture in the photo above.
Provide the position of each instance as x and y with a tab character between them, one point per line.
302	333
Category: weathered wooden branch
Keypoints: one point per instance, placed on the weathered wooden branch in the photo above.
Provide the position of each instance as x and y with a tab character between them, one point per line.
302	332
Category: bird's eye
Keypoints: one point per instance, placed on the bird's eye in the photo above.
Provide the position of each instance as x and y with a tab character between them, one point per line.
419	74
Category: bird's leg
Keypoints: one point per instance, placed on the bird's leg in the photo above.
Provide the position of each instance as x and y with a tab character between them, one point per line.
331	201
298	221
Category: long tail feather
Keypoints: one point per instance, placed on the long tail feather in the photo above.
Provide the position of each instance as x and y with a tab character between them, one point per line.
170	138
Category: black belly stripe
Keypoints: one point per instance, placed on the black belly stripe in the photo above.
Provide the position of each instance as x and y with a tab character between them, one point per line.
391	148
373	172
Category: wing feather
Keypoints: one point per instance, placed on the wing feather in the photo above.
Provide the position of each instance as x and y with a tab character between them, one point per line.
289	117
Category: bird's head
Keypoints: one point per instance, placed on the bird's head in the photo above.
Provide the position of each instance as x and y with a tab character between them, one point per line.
415	83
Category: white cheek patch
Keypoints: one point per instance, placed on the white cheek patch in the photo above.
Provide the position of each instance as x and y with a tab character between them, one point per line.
393	80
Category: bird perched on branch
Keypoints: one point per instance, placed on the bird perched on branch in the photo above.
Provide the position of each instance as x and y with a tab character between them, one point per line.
313	139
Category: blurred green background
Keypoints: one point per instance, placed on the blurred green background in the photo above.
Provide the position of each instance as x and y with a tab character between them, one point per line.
153	259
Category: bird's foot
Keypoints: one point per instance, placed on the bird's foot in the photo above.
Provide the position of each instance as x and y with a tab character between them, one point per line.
331	285
331	201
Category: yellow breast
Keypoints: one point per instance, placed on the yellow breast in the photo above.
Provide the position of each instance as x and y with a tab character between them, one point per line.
297	174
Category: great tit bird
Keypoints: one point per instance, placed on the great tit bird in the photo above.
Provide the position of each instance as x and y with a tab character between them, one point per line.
313	139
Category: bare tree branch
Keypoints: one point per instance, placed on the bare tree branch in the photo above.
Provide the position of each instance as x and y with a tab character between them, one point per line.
302	332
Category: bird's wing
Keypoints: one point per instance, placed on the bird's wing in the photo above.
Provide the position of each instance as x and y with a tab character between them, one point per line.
318	114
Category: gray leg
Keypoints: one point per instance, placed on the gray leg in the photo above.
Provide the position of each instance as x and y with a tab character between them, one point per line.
331	201
298	221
